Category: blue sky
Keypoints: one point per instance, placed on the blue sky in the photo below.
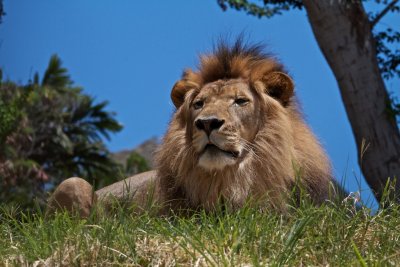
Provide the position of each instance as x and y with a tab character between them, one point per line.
132	52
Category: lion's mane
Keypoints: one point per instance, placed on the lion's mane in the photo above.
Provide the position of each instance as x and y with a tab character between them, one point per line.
283	151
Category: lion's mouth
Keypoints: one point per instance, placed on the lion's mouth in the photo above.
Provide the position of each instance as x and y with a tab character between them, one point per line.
211	148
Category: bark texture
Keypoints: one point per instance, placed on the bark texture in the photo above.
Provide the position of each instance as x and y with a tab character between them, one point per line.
344	35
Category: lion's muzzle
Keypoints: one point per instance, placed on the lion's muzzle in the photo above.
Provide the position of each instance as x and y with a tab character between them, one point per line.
209	124
214	149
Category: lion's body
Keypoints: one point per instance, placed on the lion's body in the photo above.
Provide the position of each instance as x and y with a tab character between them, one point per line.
237	134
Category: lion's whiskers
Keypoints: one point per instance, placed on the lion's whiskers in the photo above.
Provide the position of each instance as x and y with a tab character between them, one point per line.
250	148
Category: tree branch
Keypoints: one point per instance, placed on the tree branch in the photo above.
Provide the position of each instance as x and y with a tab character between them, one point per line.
1	10
383	13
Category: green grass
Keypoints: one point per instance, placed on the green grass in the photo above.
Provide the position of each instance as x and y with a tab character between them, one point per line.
334	235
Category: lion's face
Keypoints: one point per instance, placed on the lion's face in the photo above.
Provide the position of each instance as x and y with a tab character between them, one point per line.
223	117
223	123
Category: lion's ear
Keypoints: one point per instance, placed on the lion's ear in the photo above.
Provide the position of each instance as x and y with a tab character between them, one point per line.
179	91
279	86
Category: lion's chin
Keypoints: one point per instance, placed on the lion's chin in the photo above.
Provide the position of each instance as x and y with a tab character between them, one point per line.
214	158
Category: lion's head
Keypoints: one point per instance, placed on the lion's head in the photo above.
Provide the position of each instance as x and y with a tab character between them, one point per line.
237	133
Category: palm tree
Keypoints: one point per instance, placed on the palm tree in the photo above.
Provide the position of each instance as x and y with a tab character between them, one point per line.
60	133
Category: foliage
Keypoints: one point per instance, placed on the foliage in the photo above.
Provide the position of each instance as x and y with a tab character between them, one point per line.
268	9
331	234
10	114
50	131
388	59
135	163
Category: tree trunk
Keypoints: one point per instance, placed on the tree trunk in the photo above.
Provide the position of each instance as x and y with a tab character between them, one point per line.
344	35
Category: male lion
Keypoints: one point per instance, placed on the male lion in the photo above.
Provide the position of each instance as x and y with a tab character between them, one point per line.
237	134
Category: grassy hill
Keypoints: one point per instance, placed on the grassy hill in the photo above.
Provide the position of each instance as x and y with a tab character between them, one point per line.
330	235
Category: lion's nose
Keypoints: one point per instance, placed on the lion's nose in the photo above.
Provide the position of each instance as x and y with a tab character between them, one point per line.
209	124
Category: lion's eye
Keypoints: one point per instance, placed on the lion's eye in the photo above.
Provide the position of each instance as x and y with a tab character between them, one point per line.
198	104
241	101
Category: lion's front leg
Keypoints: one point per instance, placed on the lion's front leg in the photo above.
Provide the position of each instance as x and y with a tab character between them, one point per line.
74	195
77	196
140	192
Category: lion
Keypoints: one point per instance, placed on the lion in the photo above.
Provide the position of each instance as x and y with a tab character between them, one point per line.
237	134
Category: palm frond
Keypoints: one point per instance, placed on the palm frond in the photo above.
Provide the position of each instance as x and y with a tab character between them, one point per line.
55	75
